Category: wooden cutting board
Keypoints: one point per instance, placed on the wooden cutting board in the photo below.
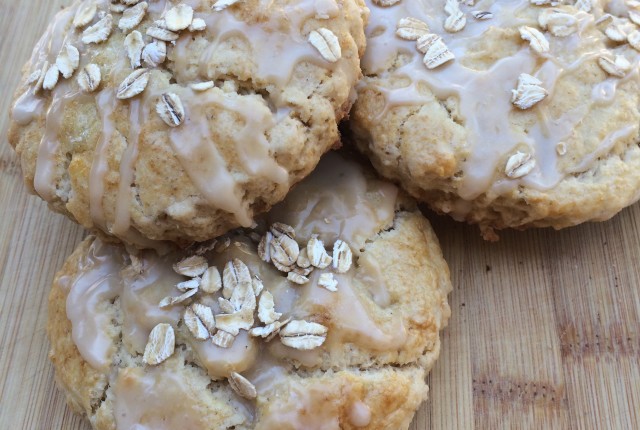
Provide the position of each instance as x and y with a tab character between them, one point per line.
545	330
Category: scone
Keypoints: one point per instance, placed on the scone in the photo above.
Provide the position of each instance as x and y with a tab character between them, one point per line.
504	113
179	121
327	316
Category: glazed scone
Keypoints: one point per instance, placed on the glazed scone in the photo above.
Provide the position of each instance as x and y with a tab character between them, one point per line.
504	113
327	316
182	120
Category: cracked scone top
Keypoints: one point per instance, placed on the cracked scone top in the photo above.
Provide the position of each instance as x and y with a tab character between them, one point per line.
179	121
325	317
504	113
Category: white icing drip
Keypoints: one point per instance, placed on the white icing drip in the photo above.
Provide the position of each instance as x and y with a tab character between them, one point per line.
203	162
27	108
122	221
105	102
43	180
484	95
88	296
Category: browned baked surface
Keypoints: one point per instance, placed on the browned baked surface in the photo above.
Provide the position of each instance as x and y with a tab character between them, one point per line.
271	84
448	133
387	380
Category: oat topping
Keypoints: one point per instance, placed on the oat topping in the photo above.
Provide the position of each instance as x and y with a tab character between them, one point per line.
195	324
558	22
386	3
634	40
154	53
133	45
160	346
561	148
545	2
192	266
191	284
435	51
243	298
264	247
223	339
269	331
266	309
235	273
616	32
411	28
245	303
133	16
300	334
634	16
202	86
242	386
584	5
89	78
536	39
528	92
211	281
328	282
85	14
68	60
117	7
98	32
303	261
297	278
162	34
167	302
284	252
257	285
51	78
133	84
617	66
481	15
223	4
39	83
604	21
179	17
317	253
278	229
170	109
197	24
519	165
456	20
342	257
326	43
233	323
304	271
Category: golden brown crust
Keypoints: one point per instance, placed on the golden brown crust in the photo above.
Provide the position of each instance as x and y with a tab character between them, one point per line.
425	145
390	384
164	203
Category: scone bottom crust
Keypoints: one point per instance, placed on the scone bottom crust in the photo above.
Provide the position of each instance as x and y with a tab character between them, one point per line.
179	121
327	314
504	113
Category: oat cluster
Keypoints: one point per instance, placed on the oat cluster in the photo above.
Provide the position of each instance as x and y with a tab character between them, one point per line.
244	302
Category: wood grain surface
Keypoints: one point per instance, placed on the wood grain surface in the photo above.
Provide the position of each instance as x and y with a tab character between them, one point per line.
545	332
